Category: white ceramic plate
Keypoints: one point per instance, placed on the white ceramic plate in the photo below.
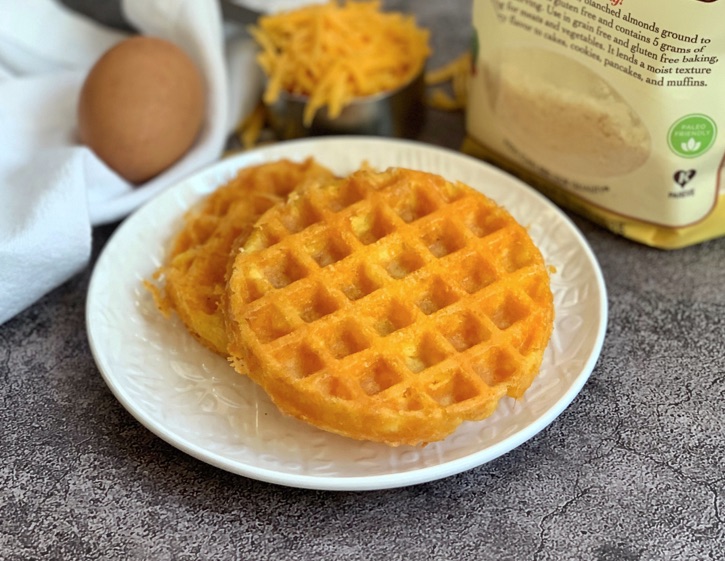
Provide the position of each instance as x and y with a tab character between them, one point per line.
194	400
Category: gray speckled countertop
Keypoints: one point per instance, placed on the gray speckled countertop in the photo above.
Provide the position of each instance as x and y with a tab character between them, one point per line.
632	470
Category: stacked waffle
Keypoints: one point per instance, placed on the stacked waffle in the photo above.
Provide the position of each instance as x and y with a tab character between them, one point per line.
195	269
385	306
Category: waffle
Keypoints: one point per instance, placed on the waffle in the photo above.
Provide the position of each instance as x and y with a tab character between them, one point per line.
389	306
194	273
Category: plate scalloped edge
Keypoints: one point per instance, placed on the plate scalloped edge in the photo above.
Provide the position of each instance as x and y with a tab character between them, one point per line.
192	399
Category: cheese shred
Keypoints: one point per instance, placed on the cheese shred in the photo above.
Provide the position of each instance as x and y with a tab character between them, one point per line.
455	76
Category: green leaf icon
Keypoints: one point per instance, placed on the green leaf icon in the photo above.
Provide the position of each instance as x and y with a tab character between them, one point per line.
691	145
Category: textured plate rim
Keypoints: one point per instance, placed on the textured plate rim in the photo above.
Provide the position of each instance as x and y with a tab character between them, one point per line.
348	483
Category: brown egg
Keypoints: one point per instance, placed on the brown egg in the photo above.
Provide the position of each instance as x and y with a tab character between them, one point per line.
141	107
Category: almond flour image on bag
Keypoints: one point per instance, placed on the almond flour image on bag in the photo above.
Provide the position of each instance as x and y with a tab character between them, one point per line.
613	108
557	111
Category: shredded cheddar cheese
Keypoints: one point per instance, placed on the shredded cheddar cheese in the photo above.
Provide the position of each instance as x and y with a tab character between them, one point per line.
335	52
456	73
250	128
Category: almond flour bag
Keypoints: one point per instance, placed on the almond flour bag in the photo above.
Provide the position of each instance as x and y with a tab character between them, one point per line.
613	108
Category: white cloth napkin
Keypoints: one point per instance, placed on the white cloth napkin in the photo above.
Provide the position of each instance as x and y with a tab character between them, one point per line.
53	190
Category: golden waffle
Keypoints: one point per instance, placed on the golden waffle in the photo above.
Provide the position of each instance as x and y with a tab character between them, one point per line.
194	274
389	306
